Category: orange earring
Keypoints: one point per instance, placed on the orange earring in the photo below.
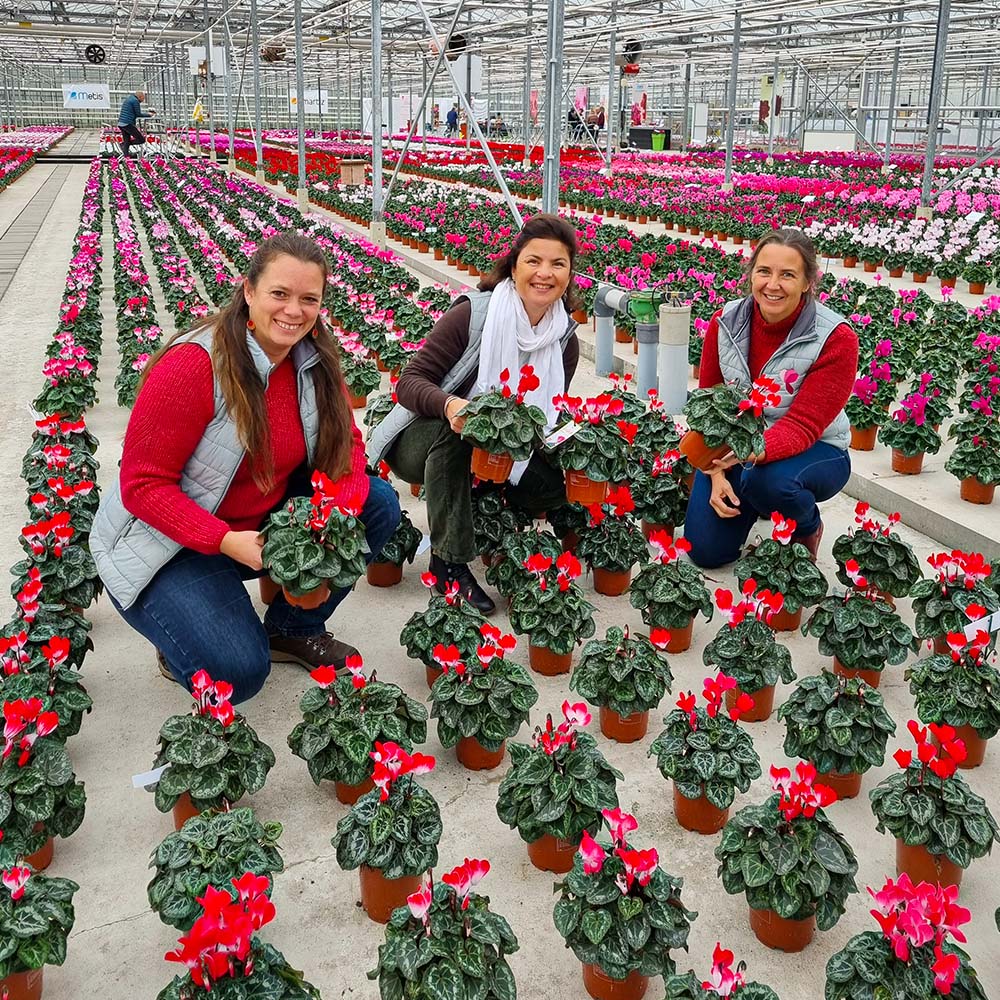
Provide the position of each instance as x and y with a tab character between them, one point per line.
251	325
314	332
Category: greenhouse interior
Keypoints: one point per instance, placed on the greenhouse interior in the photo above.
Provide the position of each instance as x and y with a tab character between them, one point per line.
629	370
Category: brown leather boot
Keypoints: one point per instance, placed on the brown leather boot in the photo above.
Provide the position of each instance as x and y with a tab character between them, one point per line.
310	651
811	542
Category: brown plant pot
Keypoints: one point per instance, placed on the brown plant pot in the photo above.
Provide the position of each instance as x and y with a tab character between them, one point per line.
643	219
422	247
919	277
41	859
602	987
474	757
491	467
380	364
569	541
415	489
681	228
694	448
698	815
847	786
667	224
738	241
781	934
871	266
948	282
680	638
550	854
907	465
269	590
786	621
579	316
313	599
543	661
722	237
580	488
696	372
438	254
462	265
871	677
432	674
628	729
977	287
635	346
22	985
763	703
850	262
863	438
923	866
610	582
358	402
973	491
383	574
648	528
941	644
622	336
895	272
694	230
381	895
975	746
349	794
183	810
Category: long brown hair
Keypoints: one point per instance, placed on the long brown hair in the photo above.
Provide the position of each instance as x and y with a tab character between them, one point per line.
543	226
242	387
794	239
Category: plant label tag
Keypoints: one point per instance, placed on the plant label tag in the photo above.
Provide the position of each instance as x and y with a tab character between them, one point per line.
991	623
425	544
563	434
148	779
975	216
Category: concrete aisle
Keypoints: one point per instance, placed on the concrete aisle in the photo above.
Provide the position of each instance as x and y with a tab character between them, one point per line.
119	943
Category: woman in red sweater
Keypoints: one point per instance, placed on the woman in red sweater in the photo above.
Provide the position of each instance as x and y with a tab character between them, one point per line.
230	421
780	331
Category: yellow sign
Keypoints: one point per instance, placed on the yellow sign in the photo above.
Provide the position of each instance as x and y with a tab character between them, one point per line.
198	112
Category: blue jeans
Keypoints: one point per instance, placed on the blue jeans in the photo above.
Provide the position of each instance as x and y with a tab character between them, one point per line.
791	486
198	613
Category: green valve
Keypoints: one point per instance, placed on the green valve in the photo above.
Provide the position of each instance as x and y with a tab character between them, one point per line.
645	306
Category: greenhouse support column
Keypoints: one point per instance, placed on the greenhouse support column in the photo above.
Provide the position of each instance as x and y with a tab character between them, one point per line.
213	156
805	109
934	107
230	117
772	118
377	230
553	103
686	124
863	102
734	69
255	42
890	121
469	111
526	93
981	127
319	95
876	95
424	112
300	92
388	103
609	117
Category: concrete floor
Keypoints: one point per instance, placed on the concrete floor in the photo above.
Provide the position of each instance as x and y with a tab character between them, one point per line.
119	943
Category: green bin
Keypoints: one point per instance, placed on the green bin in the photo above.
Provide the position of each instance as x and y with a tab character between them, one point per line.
658	141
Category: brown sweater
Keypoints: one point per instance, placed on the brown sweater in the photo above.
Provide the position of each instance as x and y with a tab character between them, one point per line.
419	389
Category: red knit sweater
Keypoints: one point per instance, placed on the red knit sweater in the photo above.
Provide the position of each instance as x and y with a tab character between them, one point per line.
824	389
169	419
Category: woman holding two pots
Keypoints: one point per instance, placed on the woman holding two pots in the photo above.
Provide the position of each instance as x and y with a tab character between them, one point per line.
778	330
519	316
230	420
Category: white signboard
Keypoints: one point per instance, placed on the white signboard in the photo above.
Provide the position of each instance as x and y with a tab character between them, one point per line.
196	54
820	141
316	102
86	95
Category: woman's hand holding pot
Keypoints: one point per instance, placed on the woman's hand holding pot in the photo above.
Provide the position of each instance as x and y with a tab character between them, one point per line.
453	413
723	500
244	547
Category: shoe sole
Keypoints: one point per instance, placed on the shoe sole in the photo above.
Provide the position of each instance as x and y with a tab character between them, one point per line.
279	656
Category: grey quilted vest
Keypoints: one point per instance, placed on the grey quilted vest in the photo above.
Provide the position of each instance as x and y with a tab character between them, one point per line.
129	552
384	436
802	346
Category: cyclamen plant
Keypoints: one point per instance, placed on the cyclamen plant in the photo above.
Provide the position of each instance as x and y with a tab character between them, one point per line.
728	414
909	431
886	562
670	591
65	569
600	449
658	489
494	519
501	422
447	619
36	917
507	571
960	593
612	540
723	981
976	454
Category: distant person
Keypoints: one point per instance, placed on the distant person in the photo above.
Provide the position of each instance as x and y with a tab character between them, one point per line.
576	125
452	120
130	113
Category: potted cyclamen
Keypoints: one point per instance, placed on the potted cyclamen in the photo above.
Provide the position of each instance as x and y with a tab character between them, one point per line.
959	689
36	917
224	959
910	435
612	542
745	648
361	375
911	955
59	448
556	788
386	569
506	570
502	427
795	867
670	591
592	447
211	850
658	490
865	412
482	703
941	826
785	567
494	519
975	459
311	546
391	832
880	557
344	717
726	418
468	956
626	678
861	632
63	567
706	755
620	913
724	981
231	759
552	612
840	725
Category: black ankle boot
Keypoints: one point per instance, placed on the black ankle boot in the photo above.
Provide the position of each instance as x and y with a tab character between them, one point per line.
468	585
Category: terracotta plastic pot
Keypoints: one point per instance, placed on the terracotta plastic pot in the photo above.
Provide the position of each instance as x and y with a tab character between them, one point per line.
871	266
22	985
695	372
580	488
384	574
381	895
422	247
635	346
698	815
438	254
629	729
183	810
847	786
432	674
763	703
871	677
680	638
973	491
863	438
648	529
895	272
975	746
922	866
948	282
359	402
269	590
850	262
462	265
313	599
919	278
941	644
543	661
643	219
550	854
415	489
380	364
474	757
610	582
781	934
602	987
579	316
41	859
977	287
738	241
694	230
681	228
907	465
569	541
491	467
786	621
622	336
349	794
700	454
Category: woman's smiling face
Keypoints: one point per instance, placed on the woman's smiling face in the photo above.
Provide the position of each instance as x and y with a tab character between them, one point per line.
778	281
541	275
284	304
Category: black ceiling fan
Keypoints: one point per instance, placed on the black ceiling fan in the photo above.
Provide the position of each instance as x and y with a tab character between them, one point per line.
95	54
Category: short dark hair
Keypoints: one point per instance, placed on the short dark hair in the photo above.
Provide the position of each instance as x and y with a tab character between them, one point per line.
543	226
794	239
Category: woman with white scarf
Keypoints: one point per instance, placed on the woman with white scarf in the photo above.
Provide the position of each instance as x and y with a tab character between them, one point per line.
526	322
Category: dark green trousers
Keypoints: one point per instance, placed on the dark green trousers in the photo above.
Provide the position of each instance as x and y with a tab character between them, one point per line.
430	452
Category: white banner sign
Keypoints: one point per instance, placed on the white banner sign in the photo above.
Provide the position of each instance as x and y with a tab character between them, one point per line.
196	55
316	101
86	95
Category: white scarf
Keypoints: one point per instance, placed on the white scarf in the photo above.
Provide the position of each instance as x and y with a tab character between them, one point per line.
510	341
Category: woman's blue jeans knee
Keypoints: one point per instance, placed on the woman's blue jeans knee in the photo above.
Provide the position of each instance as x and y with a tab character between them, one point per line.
198	612
792	486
